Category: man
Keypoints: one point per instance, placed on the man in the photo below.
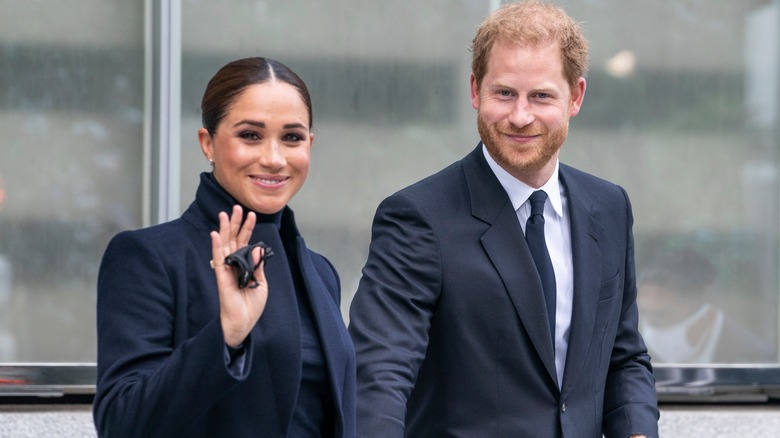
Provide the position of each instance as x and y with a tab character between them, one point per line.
450	320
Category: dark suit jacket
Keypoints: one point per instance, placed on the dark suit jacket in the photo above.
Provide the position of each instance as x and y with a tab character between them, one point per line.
161	354
449	322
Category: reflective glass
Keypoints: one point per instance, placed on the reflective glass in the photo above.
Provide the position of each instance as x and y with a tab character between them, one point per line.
389	85
71	114
681	109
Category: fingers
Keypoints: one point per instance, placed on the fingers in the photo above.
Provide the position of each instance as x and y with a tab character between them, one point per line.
224	226
235	227
233	234
246	230
217	257
238	233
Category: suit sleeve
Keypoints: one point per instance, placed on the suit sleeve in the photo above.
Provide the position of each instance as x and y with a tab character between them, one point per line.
630	404
152	382
391	313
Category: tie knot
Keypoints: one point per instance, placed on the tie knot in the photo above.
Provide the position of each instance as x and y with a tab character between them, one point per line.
537	200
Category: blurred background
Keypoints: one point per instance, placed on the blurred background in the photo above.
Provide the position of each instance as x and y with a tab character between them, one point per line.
99	110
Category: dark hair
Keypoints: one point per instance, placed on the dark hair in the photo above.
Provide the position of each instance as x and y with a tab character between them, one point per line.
223	89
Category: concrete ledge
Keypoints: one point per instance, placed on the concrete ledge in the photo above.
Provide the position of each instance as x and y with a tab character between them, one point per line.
719	421
34	421
677	421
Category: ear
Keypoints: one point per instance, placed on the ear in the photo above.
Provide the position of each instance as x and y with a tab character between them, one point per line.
474	91
205	144
311	139
577	95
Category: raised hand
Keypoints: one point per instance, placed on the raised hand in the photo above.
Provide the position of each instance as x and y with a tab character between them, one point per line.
239	309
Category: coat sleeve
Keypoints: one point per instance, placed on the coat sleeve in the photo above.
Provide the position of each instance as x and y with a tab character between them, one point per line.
153	377
391	313
630	403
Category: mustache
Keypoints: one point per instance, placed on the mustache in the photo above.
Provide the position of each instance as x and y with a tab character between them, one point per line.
524	131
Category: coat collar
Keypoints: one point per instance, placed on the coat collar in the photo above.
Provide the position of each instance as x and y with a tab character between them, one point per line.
586	234
327	318
211	198
519	192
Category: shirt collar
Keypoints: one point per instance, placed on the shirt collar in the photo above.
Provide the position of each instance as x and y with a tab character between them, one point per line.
519	191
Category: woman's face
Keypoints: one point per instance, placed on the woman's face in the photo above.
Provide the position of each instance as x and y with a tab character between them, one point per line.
261	148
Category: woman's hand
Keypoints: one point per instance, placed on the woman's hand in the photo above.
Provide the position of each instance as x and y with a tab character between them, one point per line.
239	309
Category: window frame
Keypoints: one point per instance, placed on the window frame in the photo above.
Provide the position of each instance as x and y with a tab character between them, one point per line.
51	381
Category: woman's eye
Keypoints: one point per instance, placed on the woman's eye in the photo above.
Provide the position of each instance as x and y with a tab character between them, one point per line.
292	137
252	136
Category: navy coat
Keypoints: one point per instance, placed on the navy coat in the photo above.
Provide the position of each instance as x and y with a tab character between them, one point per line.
450	325
161	354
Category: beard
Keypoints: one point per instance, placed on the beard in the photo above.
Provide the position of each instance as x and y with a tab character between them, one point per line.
521	159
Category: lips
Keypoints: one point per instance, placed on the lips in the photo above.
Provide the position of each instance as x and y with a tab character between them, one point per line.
523	138
528	136
528	132
523	134
269	181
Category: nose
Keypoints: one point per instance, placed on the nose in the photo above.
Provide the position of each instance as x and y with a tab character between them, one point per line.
271	156
521	114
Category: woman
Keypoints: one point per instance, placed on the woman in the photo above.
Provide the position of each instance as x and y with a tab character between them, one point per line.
183	350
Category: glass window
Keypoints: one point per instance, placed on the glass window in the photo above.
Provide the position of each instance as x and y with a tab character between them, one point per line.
681	109
71	114
391	103
686	120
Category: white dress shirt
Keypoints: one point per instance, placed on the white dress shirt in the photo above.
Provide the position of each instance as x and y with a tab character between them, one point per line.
557	234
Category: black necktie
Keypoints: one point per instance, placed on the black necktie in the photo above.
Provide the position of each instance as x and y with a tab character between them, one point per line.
534	235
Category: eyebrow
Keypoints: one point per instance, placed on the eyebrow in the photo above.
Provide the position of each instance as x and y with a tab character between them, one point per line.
544	87
260	124
549	89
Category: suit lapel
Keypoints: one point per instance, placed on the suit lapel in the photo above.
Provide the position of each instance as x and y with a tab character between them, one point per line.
281	319
506	247
586	233
325	312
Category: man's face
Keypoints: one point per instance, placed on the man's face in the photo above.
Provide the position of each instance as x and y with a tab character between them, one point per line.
523	108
